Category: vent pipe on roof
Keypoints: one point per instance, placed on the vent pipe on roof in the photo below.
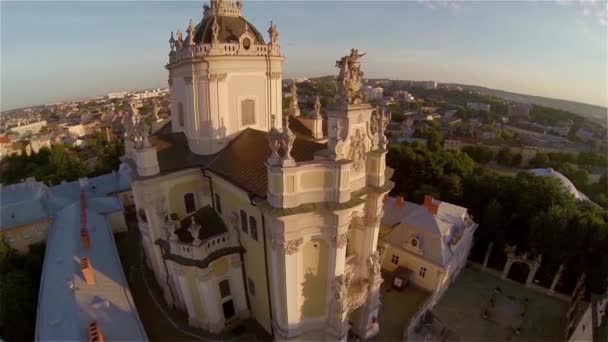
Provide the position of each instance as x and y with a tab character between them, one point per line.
87	270
95	333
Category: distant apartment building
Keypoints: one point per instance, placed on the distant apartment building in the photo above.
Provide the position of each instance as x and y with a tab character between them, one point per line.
423	84
373	93
117	95
519	110
478	106
148	94
38	142
30	128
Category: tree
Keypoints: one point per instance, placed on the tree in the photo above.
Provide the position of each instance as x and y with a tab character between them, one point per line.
540	160
480	154
504	156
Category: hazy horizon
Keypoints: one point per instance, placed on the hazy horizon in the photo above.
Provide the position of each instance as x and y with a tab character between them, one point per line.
61	51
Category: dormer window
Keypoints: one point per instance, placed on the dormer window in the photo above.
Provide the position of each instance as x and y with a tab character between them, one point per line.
414	242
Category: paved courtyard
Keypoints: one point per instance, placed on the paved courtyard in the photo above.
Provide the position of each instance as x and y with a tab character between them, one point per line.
398	307
462	306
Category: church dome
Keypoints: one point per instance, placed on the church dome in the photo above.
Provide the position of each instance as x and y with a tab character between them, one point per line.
565	182
230	29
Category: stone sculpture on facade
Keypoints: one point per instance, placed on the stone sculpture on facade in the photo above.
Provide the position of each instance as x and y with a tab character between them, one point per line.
374	262
350	79
294	105
273	32
180	40
317	107
274	142
287	140
216	30
172	42
136	130
190	31
357	150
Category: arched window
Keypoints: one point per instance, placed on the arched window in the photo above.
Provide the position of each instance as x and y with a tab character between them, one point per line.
253	228
180	113
189	202
244	221
247	112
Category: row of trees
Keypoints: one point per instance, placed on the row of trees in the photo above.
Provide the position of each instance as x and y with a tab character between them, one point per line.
58	163
531	212
19	283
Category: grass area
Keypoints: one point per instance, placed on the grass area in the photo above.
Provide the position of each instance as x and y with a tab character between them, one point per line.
398	307
460	309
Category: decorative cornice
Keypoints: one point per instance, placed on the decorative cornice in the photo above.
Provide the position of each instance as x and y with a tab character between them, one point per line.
219	76
273	75
292	246
340	240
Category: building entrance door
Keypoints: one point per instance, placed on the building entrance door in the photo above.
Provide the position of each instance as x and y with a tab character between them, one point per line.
228	307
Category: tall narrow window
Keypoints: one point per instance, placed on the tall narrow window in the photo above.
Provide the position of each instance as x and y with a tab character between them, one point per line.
180	113
224	288
253	228
395	259
244	221
247	112
251	286
218	204
189	202
422	272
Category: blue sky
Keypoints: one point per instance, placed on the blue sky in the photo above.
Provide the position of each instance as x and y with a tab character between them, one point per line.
53	51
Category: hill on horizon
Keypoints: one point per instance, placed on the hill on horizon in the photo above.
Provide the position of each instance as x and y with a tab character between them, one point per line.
595	113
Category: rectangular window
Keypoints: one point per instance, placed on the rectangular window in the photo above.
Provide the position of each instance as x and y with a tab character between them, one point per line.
180	112
189	202
253	227
26	234
422	272
224	288
218	204
244	221
251	286
248	112
395	259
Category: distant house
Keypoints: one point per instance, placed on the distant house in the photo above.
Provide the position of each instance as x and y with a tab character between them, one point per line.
432	240
519	110
478	106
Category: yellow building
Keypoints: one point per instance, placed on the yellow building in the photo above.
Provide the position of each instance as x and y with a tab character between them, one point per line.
240	216
19	227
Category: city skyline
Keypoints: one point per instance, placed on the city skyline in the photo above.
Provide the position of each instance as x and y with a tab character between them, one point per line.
97	47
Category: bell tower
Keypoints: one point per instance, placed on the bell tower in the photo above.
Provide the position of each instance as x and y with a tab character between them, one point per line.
223	77
323	219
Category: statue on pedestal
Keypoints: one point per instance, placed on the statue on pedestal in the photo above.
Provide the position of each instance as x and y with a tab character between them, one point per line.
350	78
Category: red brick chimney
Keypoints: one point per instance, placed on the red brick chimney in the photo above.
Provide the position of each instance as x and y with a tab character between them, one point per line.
84	237
87	270
429	205
95	333
399	201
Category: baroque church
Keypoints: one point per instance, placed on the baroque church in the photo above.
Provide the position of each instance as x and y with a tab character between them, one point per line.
249	212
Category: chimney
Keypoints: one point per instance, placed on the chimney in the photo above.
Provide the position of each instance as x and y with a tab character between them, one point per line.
95	334
84	236
399	201
429	205
87	270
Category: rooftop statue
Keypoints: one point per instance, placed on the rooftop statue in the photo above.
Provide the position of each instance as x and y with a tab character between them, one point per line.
350	78
317	107
274	34
295	108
